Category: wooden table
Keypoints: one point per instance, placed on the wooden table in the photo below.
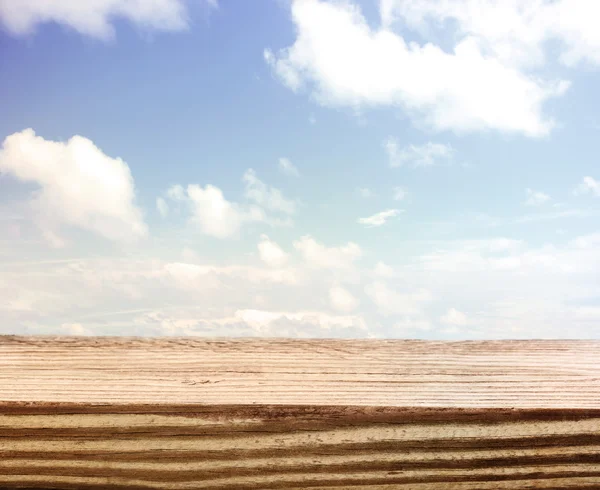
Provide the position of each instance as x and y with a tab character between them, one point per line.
131	413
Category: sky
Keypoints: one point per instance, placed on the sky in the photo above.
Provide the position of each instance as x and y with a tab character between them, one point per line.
308	168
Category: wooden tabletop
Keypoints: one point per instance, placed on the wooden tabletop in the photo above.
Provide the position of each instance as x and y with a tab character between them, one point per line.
388	373
130	413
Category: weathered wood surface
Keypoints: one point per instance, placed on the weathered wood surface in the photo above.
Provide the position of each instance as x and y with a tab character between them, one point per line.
106	413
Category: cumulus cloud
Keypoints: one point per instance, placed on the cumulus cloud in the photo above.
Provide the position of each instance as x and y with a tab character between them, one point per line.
588	185
536	198
343	61
341	299
416	155
79	186
271	253
287	167
211	212
514	32
318	255
95	18
216	216
265	195
379	219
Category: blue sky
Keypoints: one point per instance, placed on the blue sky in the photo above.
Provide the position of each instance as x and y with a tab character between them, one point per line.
302	168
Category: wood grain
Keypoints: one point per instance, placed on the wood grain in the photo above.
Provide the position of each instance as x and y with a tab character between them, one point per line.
108	413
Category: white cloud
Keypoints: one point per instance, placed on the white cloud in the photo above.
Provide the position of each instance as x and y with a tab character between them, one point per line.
194	268
162	206
318	255
271	253
76	329
514	257
288	168
342	300
265	195
588	185
95	17
517	291
454	317
264	319
218	217
508	289
379	219
391	302
214	214
400	193
416	155
365	192
176	192
345	62
149	296
263	323
514	32
195	277
590	241
536	198
383	270
493	245
80	186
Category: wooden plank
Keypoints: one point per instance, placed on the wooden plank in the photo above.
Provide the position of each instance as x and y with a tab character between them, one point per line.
267	414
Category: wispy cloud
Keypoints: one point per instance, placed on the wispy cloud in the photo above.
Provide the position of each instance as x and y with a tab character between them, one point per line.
536	198
379	219
365	192
266	196
567	213
162	206
287	167
416	155
400	193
